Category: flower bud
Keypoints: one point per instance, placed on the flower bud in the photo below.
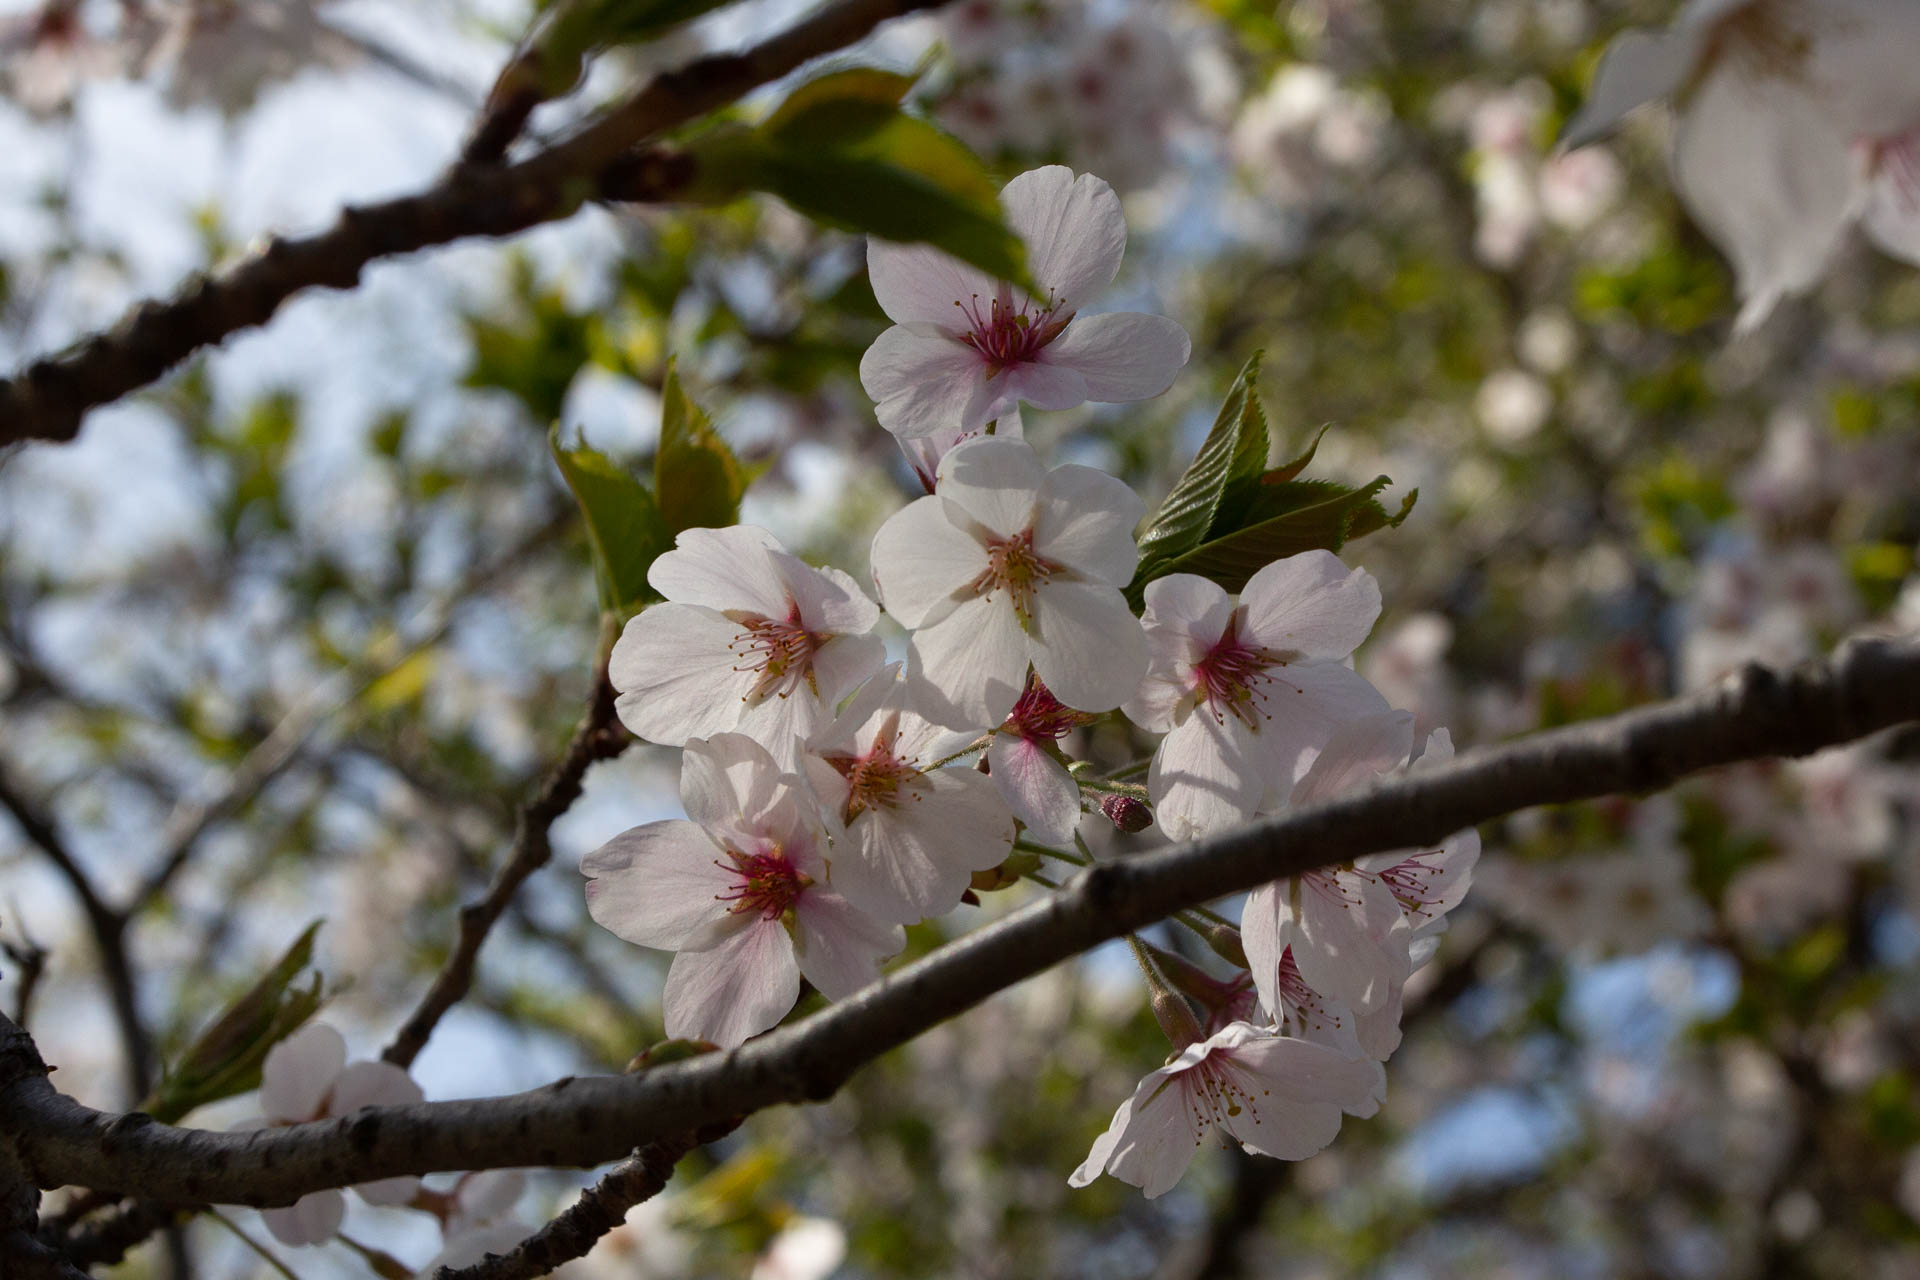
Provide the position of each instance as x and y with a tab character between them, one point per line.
1127	813
1225	941
1175	1017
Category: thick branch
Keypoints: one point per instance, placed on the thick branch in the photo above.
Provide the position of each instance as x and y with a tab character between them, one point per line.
1869	686
47	400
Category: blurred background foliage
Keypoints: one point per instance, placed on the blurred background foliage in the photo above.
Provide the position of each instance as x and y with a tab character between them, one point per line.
289	636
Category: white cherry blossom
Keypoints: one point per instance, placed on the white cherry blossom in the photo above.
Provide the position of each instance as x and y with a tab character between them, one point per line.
1011	566
1279	1096
307	1077
751	639
965	348
740	892
1798	117
1247	692
907	837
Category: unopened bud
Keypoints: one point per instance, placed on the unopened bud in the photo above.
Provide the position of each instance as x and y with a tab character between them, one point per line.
1225	941
1175	1017
1127	813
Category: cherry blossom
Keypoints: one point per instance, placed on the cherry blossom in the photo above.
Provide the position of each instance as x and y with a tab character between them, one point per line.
307	1077
751	639
740	892
1037	787
1009	566
1278	1095
1799	118
965	349
1247	693
907	836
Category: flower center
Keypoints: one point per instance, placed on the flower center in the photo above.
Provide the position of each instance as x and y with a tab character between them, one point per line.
763	883
1412	883
1040	715
1214	1093
1006	335
781	652
875	780
1013	567
1304	1009
1233	676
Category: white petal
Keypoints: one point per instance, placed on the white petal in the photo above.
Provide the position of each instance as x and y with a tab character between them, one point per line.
1087	646
924	382
1265	929
655	885
917	283
729	782
1638	67
676	676
388	1191
1151	1140
1767	173
1039	383
1036	787
297	1073
838	946
911	860
1298	1090
829	600
1312	605
1207	776
1085	520
1074	231
993	482
966	671
1123	355
1308	704
1185	617
372	1084
1352	945
742	985
731	569
1356	754
312	1219
1892	218
921	560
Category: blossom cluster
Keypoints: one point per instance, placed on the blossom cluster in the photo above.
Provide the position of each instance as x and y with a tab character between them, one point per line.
834	797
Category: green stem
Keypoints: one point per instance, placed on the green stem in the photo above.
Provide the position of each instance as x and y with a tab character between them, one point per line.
1047	851
265	1255
969	749
1107	786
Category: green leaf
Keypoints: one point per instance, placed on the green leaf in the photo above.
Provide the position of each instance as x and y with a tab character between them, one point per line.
624	526
838	107
225	1059
697	477
1234	450
1326	524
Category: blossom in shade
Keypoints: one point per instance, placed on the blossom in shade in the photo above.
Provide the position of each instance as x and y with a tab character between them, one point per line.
751	640
1037	787
1302	1011
924	452
1798	117
1246	693
1011	566
1277	1095
307	1077
740	892
907	836
965	348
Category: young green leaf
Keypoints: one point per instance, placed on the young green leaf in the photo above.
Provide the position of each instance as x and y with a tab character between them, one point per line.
1234	450
624	526
1327	524
697	477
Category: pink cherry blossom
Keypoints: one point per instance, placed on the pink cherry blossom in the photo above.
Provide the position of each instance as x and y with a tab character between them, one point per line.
907	837
1037	787
1012	566
1279	1096
965	349
307	1077
1247	693
751	640
740	893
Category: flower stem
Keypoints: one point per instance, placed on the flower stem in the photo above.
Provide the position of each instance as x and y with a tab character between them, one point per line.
266	1255
984	740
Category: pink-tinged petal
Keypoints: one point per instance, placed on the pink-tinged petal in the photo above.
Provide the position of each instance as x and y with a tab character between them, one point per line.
1638	67
828	599
925	452
913	859
1084	520
312	1219
1036	787
1185	617
372	1084
1356	755
1123	356
298	1073
840	947
1350	940
782	725
1307	705
966	670
1892	216
993	483
1207	776
922	561
1294	1093
924	382
676	675
730	570
729	782
1087	646
842	664
655	885
1038	383
741	985
1312	605
1266	922
1151	1140
1769	175
918	284
388	1192
1379	1034
1074	231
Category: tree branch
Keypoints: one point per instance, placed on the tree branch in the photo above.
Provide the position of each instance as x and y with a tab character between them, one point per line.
1868	686
47	400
